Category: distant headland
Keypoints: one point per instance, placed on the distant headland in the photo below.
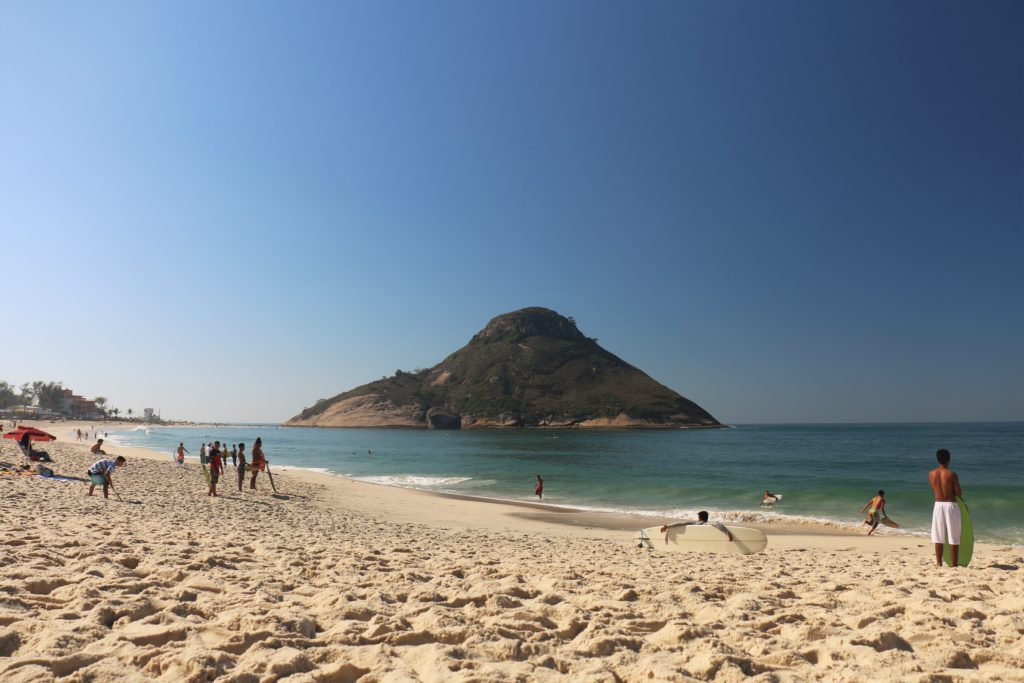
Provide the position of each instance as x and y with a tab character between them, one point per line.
528	368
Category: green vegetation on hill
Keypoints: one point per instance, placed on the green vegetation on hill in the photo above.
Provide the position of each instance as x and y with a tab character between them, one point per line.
531	367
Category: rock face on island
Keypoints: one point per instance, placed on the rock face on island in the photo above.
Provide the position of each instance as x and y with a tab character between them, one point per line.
529	368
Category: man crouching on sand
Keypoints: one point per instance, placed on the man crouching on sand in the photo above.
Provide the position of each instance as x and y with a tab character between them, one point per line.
702	518
102	471
946	513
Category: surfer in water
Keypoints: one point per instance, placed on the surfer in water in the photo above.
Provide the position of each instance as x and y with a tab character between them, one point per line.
538	490
946	512
769	498
702	518
876	512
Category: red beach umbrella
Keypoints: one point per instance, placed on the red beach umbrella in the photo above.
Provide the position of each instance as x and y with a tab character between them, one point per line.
33	434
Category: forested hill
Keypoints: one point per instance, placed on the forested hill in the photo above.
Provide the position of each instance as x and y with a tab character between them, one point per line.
528	368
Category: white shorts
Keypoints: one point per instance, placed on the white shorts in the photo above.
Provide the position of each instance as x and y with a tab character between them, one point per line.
946	523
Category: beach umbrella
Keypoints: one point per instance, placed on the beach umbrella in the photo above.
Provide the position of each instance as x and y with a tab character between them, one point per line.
33	434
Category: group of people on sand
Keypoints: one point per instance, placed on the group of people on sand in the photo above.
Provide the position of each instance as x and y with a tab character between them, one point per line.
84	436
214	458
102	471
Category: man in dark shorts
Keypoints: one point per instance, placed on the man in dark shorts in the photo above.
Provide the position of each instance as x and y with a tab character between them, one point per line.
213	459
241	466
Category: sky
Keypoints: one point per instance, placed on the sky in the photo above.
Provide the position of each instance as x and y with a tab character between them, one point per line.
786	211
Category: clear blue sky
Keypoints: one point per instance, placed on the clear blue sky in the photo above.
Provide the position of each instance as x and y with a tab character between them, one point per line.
787	211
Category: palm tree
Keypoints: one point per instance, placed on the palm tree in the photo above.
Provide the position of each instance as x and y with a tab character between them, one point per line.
101	402
115	412
129	413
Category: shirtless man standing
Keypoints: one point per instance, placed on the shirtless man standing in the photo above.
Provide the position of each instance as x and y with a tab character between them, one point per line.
946	513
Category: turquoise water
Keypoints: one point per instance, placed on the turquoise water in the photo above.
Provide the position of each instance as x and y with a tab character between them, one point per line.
825	472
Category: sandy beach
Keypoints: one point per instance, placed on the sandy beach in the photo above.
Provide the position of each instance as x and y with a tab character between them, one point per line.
338	580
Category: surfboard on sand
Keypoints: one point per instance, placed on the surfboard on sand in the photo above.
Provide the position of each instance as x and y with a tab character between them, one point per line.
889	523
963	557
771	501
271	477
703	538
206	470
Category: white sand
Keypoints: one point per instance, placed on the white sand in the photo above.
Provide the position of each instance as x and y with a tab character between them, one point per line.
335	580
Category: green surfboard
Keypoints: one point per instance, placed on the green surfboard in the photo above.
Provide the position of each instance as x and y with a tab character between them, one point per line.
963	557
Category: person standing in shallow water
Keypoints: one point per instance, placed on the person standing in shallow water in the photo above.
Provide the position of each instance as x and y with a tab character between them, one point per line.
538	489
259	461
946	512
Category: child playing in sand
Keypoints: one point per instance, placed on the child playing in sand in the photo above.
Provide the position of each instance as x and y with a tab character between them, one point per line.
102	471
702	518
877	511
97	448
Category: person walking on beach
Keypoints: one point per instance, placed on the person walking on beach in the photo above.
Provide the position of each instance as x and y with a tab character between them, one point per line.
702	519
241	466
202	452
181	453
538	489
216	468
946	512
234	455
877	511
97	448
259	461
102	472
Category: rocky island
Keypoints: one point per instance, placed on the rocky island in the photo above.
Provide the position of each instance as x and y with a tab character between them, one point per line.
528	368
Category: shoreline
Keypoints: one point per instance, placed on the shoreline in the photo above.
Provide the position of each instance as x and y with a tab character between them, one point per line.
557	519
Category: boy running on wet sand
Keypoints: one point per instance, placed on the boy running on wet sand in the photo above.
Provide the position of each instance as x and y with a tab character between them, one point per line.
181	453
102	471
216	467
877	511
946	512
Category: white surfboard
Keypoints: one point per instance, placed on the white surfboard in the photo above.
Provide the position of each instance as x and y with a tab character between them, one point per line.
771	501
703	538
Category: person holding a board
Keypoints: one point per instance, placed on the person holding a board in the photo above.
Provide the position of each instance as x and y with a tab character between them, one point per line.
702	518
259	461
946	513
877	505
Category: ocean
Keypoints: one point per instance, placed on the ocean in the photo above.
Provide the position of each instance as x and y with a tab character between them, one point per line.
824	472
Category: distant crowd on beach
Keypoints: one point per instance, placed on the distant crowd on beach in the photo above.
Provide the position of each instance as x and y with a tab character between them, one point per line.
212	456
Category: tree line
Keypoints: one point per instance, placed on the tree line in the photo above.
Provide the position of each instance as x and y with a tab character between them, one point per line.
48	396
